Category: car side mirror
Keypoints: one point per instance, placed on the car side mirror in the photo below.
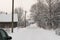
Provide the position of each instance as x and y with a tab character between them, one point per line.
9	37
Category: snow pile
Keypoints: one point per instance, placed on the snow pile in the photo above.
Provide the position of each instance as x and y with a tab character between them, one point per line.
34	34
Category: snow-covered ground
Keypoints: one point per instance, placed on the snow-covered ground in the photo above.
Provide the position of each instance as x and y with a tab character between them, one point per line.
33	33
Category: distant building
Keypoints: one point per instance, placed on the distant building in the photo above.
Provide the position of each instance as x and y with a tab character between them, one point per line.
6	20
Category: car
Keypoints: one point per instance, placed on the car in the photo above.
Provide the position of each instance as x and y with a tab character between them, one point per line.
4	35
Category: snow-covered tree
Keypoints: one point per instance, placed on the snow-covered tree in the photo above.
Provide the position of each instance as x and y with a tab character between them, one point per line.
39	13
44	14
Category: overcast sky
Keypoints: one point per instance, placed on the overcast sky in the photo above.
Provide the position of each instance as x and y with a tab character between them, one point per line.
5	5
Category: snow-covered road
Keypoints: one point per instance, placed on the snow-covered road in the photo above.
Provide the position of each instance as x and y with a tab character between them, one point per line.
31	33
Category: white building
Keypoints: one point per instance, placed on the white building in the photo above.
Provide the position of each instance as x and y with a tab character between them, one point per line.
6	20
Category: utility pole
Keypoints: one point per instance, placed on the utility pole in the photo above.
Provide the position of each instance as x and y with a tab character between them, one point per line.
12	15
25	18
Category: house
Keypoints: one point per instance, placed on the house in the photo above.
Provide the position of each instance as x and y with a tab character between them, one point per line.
6	20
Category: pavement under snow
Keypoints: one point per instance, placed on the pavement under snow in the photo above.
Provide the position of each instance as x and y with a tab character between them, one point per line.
32	32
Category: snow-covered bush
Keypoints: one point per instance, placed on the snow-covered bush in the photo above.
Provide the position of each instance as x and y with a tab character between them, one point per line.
57	31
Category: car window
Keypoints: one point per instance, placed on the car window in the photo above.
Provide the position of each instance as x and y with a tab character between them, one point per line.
3	33
1	37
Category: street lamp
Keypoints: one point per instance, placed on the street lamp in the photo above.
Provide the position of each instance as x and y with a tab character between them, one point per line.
12	15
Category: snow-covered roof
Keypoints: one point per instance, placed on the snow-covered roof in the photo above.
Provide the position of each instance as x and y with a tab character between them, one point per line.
8	18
